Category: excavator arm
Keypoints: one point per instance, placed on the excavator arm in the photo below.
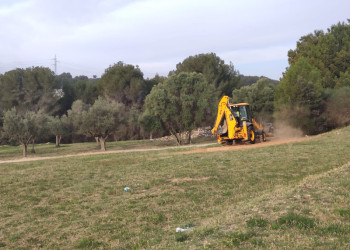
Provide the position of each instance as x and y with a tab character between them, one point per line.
221	112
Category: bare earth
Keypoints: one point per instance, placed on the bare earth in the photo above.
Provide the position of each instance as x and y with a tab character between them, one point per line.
247	145
270	142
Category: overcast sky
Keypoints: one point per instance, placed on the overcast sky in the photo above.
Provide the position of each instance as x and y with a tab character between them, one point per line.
90	35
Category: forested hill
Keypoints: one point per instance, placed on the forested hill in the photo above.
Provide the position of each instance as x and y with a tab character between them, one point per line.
249	80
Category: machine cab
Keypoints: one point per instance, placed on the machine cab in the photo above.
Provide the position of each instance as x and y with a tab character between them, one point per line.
241	112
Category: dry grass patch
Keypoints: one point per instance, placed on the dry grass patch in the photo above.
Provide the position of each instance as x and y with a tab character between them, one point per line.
180	180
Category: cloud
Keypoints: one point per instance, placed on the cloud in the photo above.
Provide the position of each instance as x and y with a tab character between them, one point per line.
90	35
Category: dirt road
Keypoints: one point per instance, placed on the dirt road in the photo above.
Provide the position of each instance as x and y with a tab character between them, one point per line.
247	145
198	149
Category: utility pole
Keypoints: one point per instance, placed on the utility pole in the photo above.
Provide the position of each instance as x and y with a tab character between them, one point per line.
55	64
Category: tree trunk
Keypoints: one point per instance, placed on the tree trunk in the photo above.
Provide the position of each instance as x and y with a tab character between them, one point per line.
177	137
33	149
189	137
24	150
97	141
58	140
151	135
102	143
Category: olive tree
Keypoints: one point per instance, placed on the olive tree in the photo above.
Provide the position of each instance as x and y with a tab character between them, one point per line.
41	129
182	103
101	120
19	128
59	126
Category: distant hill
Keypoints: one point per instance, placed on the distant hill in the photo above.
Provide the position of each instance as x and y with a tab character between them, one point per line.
249	80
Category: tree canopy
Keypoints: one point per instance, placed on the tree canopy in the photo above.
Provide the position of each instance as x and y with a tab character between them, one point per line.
223	77
59	126
182	103
329	52
298	97
320	63
260	97
101	120
20	128
124	83
28	89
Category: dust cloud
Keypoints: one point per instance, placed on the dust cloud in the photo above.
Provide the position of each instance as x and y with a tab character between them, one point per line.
284	130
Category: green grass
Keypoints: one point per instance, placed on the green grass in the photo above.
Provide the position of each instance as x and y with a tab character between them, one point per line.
283	196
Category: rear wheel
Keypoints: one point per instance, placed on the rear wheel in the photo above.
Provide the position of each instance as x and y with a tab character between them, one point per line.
251	135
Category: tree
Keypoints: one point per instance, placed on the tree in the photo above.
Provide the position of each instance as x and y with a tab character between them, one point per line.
41	129
59	126
65	82
182	103
260	96
125	84
328	51
75	114
150	123
75	118
132	122
150	83
86	90
343	80
19	128
28	89
102	119
326	56
298	97
338	107
222	76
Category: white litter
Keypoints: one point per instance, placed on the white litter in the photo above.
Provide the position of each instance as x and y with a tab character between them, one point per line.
179	229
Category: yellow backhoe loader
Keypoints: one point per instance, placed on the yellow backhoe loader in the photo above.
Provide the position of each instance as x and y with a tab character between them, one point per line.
235	123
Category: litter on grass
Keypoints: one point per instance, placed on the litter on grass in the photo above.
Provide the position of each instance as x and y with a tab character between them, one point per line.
179	229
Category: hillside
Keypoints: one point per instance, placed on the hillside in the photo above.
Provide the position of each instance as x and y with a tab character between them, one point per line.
249	80
292	195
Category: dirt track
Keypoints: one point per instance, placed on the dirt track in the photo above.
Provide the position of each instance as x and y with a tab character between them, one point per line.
198	149
247	145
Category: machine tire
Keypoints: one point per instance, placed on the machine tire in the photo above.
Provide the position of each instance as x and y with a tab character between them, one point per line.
251	135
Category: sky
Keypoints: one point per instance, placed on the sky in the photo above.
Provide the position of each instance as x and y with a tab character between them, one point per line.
88	36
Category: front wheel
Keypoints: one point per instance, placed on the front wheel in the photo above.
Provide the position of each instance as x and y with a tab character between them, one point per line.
251	135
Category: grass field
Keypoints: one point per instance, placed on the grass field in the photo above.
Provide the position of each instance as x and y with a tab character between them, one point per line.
290	196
